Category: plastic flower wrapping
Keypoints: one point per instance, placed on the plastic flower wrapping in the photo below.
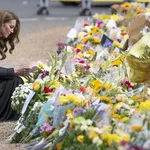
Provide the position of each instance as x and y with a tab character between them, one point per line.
83	97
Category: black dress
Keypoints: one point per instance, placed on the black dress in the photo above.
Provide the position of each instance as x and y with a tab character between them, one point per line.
8	82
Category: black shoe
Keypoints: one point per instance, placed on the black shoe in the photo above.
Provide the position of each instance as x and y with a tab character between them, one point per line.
82	13
47	13
88	12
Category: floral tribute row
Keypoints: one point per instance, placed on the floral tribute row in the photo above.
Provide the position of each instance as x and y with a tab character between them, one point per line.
81	98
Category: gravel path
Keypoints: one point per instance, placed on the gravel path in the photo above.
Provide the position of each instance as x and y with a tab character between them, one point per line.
33	47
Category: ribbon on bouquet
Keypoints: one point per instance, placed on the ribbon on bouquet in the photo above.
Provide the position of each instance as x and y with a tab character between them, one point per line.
27	101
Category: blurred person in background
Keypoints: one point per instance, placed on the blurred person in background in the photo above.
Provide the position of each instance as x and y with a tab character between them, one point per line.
9	77
43	7
86	8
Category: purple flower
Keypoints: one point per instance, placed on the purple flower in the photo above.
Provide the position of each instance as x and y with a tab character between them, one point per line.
99	23
46	128
134	147
61	44
78	111
45	73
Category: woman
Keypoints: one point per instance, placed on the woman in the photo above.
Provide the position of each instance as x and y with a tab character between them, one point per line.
9	77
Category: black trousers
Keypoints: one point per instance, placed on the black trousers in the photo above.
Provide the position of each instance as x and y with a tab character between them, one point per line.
7	87
41	10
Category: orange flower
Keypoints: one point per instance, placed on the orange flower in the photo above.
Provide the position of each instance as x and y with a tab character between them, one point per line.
59	146
82	89
115	6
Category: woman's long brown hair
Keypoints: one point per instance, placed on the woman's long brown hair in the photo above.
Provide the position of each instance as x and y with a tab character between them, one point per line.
6	16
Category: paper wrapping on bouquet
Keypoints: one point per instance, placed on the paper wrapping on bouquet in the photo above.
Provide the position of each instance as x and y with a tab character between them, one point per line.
136	26
138	59
59	114
27	101
45	113
43	117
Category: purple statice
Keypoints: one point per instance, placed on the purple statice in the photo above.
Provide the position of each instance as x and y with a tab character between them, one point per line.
107	44
61	44
44	74
60	47
99	23
134	147
78	111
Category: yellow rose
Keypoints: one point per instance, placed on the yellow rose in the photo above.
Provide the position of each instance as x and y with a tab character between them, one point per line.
36	86
80	138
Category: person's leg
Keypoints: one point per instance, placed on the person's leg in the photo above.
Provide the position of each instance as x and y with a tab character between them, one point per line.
88	7
40	11
46	10
7	88
82	13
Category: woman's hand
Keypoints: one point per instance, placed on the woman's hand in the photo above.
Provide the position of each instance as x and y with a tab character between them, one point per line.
22	71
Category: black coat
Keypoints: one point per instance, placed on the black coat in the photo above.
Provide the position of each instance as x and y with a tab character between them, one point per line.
8	82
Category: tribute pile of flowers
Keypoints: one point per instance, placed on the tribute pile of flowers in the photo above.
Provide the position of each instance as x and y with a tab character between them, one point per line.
81	98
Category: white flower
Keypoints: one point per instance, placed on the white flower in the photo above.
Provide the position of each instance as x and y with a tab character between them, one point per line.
17	102
83	127
46	68
46	79
97	141
69	49
37	105
89	122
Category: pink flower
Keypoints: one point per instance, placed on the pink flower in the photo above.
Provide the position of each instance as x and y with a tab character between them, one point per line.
46	128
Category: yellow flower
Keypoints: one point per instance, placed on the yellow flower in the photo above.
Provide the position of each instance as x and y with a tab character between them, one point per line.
107	85
71	98
139	10
80	54
116	63
36	86
74	99
59	146
147	9
81	34
90	33
145	106
79	46
97	41
136	128
90	52
117	44
92	134
136	98
80	138
96	85
69	113
126	137
91	128
40	64
95	30
56	84
71	124
111	138
116	116
126	6
115	17
63	100
105	98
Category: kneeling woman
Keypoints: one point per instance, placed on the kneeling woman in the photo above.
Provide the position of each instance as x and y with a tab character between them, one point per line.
9	77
